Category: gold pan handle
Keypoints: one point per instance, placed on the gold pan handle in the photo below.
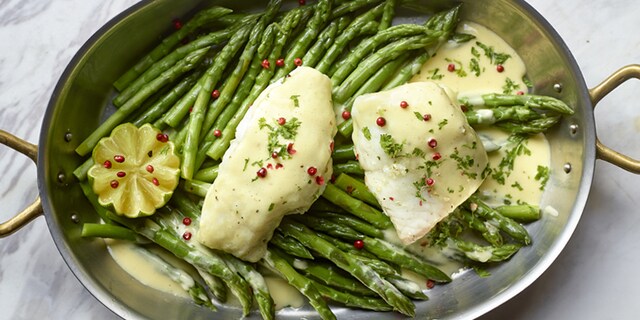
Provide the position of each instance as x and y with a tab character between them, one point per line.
597	93
34	209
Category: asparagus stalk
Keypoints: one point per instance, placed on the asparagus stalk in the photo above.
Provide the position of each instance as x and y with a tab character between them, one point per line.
208	174
545	103
168	43
166	238
100	230
351	300
275	262
180	68
197	292
322	12
290	246
215	284
331	276
258	286
356	207
509	226
356	189
209	81
480	253
387	15
348	167
361	25
345	152
352	222
349	263
523	212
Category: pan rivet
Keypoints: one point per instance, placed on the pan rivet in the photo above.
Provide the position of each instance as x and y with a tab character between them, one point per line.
573	129
68	136
557	87
567	167
61	177
75	218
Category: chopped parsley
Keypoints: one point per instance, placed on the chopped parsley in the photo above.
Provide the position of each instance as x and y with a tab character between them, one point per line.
496	58
442	123
474	66
517	186
419	116
277	133
459	69
542	176
509	86
506	164
295	100
435	74
366	133
390	146
464	163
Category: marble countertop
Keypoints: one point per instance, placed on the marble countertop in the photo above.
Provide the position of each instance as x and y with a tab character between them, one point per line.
594	277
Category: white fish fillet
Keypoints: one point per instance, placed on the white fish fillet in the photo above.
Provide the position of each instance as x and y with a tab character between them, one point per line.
416	184
241	209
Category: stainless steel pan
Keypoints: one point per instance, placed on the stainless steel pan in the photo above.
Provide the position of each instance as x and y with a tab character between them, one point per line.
84	91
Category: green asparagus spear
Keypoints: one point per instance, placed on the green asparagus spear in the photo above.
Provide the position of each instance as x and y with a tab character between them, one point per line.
480	253
208	174
257	283
356	207
322	11
351	300
407	71
545	103
349	167
156	110
198	188
523	212
157	68
166	238
361	25
387	15
345	152
215	284
197	292
332	276
101	230
509	226
168	43
209	81
367	67
500	114
352	222
349	263
290	246
183	66
325	39
275	262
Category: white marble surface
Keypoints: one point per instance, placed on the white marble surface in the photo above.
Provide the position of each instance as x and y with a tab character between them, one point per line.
595	277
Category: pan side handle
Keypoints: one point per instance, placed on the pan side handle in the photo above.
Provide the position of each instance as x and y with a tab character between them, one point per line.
600	91
33	210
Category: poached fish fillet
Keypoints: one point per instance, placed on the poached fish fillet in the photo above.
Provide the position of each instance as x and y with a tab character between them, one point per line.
278	164
420	156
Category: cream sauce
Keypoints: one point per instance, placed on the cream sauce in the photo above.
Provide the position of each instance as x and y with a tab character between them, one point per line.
469	79
525	182
283	294
135	263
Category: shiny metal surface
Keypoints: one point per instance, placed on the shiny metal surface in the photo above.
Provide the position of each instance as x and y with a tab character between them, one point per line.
83	92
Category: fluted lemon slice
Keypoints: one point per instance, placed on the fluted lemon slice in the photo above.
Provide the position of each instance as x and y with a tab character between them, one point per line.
135	170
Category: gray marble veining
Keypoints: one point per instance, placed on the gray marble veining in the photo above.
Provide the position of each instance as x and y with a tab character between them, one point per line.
594	278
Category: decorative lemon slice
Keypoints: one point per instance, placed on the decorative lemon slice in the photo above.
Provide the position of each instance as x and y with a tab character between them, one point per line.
135	170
